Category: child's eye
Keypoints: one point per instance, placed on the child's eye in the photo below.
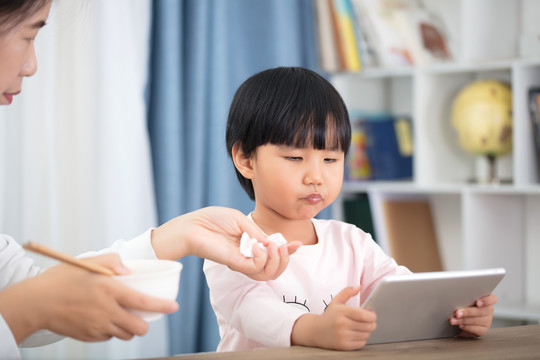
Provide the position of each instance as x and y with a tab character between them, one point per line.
330	160
293	158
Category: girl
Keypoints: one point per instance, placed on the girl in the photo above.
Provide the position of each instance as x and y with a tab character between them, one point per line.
288	133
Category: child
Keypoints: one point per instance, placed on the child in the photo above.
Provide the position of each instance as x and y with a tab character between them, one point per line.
288	133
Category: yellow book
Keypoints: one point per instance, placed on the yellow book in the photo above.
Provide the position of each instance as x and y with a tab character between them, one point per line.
347	34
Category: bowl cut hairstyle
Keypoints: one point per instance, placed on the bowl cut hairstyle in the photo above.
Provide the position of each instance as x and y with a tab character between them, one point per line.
289	106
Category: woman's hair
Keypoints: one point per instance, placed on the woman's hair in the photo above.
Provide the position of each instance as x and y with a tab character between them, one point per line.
12	12
289	106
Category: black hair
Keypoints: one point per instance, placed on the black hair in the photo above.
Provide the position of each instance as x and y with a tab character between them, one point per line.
12	12
290	106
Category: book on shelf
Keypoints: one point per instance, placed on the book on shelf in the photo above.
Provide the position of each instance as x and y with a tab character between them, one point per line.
358	166
336	33
367	33
364	36
357	211
347	34
534	110
381	148
336	36
387	37
424	35
327	47
412	238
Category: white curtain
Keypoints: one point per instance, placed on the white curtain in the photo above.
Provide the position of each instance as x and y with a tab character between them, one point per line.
75	166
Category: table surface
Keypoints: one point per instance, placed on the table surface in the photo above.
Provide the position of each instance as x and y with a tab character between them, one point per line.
518	342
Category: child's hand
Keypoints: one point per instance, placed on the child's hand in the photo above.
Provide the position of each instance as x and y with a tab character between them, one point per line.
476	320
340	327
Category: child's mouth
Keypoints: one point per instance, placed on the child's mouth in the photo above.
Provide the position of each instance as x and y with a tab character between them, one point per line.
313	198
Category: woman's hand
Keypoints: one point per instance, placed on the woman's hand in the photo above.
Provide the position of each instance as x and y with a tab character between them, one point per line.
78	303
214	233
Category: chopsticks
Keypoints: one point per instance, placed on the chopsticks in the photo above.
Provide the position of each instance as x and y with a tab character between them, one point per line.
43	250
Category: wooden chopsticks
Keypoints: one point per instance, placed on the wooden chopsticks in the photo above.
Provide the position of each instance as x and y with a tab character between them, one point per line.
43	250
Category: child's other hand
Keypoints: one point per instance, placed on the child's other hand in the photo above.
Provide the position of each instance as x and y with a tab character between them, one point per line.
340	327
271	263
476	320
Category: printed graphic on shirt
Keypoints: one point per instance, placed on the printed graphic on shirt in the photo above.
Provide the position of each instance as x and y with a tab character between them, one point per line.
298	304
303	305
326	304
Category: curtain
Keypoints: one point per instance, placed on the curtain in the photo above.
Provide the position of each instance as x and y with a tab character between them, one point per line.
75	165
202	50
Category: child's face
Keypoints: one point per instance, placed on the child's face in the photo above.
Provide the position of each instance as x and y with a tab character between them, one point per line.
297	183
17	55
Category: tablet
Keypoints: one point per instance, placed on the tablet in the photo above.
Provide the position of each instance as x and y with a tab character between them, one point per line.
418	306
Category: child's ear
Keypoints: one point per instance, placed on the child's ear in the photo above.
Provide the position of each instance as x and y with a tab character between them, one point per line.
242	162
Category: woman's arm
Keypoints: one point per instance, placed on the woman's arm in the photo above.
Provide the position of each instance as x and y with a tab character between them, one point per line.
77	303
214	233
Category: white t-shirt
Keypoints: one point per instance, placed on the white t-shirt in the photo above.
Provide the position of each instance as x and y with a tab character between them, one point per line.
255	314
15	267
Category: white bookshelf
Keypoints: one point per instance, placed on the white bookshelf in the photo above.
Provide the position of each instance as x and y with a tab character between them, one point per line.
477	225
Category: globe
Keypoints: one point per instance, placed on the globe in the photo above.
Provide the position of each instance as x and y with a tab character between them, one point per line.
482	117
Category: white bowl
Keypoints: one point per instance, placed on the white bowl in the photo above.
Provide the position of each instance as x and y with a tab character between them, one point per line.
159	278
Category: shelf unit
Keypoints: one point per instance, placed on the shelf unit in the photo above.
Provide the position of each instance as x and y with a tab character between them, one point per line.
477	225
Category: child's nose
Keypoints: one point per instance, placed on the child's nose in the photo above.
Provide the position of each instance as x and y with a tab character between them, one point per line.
313	177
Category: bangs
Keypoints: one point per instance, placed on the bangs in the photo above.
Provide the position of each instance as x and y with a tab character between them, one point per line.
319	131
297	109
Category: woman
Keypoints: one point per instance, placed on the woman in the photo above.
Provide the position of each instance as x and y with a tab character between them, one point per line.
84	305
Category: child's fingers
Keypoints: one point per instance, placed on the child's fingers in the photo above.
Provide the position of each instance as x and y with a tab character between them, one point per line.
258	252
363	316
283	254
345	294
272	263
481	320
487	301
293	246
474	312
361	329
260	257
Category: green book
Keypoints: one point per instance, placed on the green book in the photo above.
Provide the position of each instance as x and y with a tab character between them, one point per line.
357	211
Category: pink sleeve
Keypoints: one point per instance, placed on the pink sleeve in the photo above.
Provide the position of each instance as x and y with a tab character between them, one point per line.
377	264
249	307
